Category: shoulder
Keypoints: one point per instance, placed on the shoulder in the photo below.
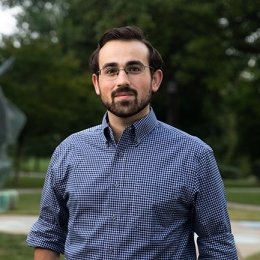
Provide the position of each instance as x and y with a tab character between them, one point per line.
80	140
189	149
178	138
83	135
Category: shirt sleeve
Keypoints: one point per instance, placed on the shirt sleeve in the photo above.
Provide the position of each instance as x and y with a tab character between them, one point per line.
211	220
50	230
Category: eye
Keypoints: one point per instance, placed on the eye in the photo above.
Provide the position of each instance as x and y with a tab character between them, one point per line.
134	68
110	71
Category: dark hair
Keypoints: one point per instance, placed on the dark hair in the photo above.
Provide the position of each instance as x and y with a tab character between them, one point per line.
126	33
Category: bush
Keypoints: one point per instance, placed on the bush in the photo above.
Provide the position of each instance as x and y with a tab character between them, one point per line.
256	169
229	171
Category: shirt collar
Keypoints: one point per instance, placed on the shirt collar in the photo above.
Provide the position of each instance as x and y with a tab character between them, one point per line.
140	128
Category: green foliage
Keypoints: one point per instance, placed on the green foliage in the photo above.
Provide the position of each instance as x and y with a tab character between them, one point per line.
211	52
56	95
34	166
256	169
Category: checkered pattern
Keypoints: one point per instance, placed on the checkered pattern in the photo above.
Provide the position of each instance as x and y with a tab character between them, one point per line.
140	198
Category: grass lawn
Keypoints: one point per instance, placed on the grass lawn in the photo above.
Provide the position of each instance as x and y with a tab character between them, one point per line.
239	214
14	247
253	257
249	196
27	204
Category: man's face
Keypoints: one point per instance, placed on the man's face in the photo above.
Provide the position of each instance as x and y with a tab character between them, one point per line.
125	95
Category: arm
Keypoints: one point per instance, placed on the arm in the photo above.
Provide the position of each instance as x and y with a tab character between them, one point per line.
50	230
211	220
45	254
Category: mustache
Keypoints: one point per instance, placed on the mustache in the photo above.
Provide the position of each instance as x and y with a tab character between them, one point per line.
124	89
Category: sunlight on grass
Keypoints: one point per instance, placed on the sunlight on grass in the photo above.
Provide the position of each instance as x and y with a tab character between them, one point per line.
254	257
244	214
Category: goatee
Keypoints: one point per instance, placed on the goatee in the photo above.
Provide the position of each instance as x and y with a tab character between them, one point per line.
126	108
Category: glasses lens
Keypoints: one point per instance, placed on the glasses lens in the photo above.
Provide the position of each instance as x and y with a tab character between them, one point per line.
134	68
110	71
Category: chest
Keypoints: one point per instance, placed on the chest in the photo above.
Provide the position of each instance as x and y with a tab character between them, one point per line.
131	180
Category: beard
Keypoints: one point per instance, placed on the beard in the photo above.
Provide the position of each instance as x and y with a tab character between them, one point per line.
127	108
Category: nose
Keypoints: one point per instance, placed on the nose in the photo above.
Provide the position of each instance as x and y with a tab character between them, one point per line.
122	77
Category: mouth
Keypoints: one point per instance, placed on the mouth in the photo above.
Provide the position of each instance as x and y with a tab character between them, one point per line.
120	97
124	93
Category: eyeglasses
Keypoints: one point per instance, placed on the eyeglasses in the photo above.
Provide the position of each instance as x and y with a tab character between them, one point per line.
111	72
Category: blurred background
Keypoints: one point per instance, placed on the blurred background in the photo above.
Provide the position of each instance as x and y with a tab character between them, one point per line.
211	51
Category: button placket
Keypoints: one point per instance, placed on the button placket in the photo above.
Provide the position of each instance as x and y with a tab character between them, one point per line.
116	186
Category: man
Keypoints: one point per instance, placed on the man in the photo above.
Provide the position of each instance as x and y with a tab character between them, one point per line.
132	187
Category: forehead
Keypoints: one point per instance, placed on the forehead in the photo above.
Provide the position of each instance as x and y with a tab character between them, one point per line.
121	52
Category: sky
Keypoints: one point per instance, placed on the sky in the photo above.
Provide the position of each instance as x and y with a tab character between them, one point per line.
7	20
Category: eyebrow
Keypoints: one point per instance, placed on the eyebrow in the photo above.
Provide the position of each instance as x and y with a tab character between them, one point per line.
114	64
110	64
132	62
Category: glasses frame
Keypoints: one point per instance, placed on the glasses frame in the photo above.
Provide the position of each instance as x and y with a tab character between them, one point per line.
114	77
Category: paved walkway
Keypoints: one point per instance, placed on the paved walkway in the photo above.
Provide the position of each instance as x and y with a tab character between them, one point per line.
247	237
14	224
247	234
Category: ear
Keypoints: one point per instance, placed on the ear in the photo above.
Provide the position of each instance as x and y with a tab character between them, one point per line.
96	83
156	80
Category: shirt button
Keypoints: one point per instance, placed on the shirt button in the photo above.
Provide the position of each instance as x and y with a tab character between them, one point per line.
112	251
116	184
120	154
114	217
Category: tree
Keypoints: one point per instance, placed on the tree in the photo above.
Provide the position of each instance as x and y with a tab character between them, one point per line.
210	48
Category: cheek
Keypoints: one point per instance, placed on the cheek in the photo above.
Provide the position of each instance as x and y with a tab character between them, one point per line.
143	84
147	86
105	90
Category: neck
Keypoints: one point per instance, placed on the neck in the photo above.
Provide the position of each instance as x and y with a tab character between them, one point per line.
119	124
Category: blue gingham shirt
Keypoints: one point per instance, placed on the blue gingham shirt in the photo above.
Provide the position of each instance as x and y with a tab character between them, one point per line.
140	198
